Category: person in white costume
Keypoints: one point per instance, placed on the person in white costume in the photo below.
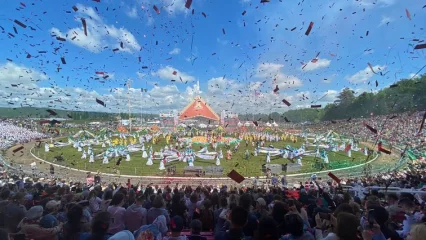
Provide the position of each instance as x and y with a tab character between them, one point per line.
105	160
46	147
79	148
92	158
190	161
299	161
217	160
349	153
144	155
103	144
268	157
127	157
220	153
162	167
149	162
84	156
365	151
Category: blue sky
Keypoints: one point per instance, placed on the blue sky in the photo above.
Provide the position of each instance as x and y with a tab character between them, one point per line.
237	59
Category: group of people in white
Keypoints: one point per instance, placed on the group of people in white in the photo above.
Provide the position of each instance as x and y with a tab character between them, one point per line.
11	134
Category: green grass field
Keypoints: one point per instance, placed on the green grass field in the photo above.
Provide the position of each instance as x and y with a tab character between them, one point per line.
137	164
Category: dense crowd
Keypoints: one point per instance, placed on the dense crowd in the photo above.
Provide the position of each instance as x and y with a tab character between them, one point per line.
395	129
319	209
11	134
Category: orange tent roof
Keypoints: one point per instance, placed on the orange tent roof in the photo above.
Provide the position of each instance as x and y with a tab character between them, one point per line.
198	108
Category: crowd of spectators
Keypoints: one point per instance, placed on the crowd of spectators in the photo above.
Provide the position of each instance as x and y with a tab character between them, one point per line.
395	129
11	134
317	210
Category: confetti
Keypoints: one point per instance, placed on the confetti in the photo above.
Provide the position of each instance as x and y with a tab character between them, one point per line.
265	1
276	89
100	102
63	60
204	14
286	119
234	175
18	149
308	31
174	73
420	46
156	9
393	86
75	8
408	14
121	45
370	128
53	113
244	13
115	49
334	177
383	150
83	21
371	68
223	31
20	24
316	106
188	3
286	102
61	39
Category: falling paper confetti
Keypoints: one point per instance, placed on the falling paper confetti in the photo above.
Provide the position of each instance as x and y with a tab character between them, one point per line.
308	31
156	9
83	21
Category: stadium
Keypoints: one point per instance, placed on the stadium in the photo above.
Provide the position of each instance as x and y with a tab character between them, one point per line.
186	120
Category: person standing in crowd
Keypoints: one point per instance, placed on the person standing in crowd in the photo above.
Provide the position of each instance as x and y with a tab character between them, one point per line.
30	226
117	220
136	214
157	210
238	218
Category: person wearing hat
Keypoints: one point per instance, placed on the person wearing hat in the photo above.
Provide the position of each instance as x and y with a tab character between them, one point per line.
30	226
176	227
49	220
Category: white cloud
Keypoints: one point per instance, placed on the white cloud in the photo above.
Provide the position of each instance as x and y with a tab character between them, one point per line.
321	63
166	73
174	6
411	75
175	51
373	3
365	74
385	20
11	73
140	75
99	34
132	12
273	72
220	85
